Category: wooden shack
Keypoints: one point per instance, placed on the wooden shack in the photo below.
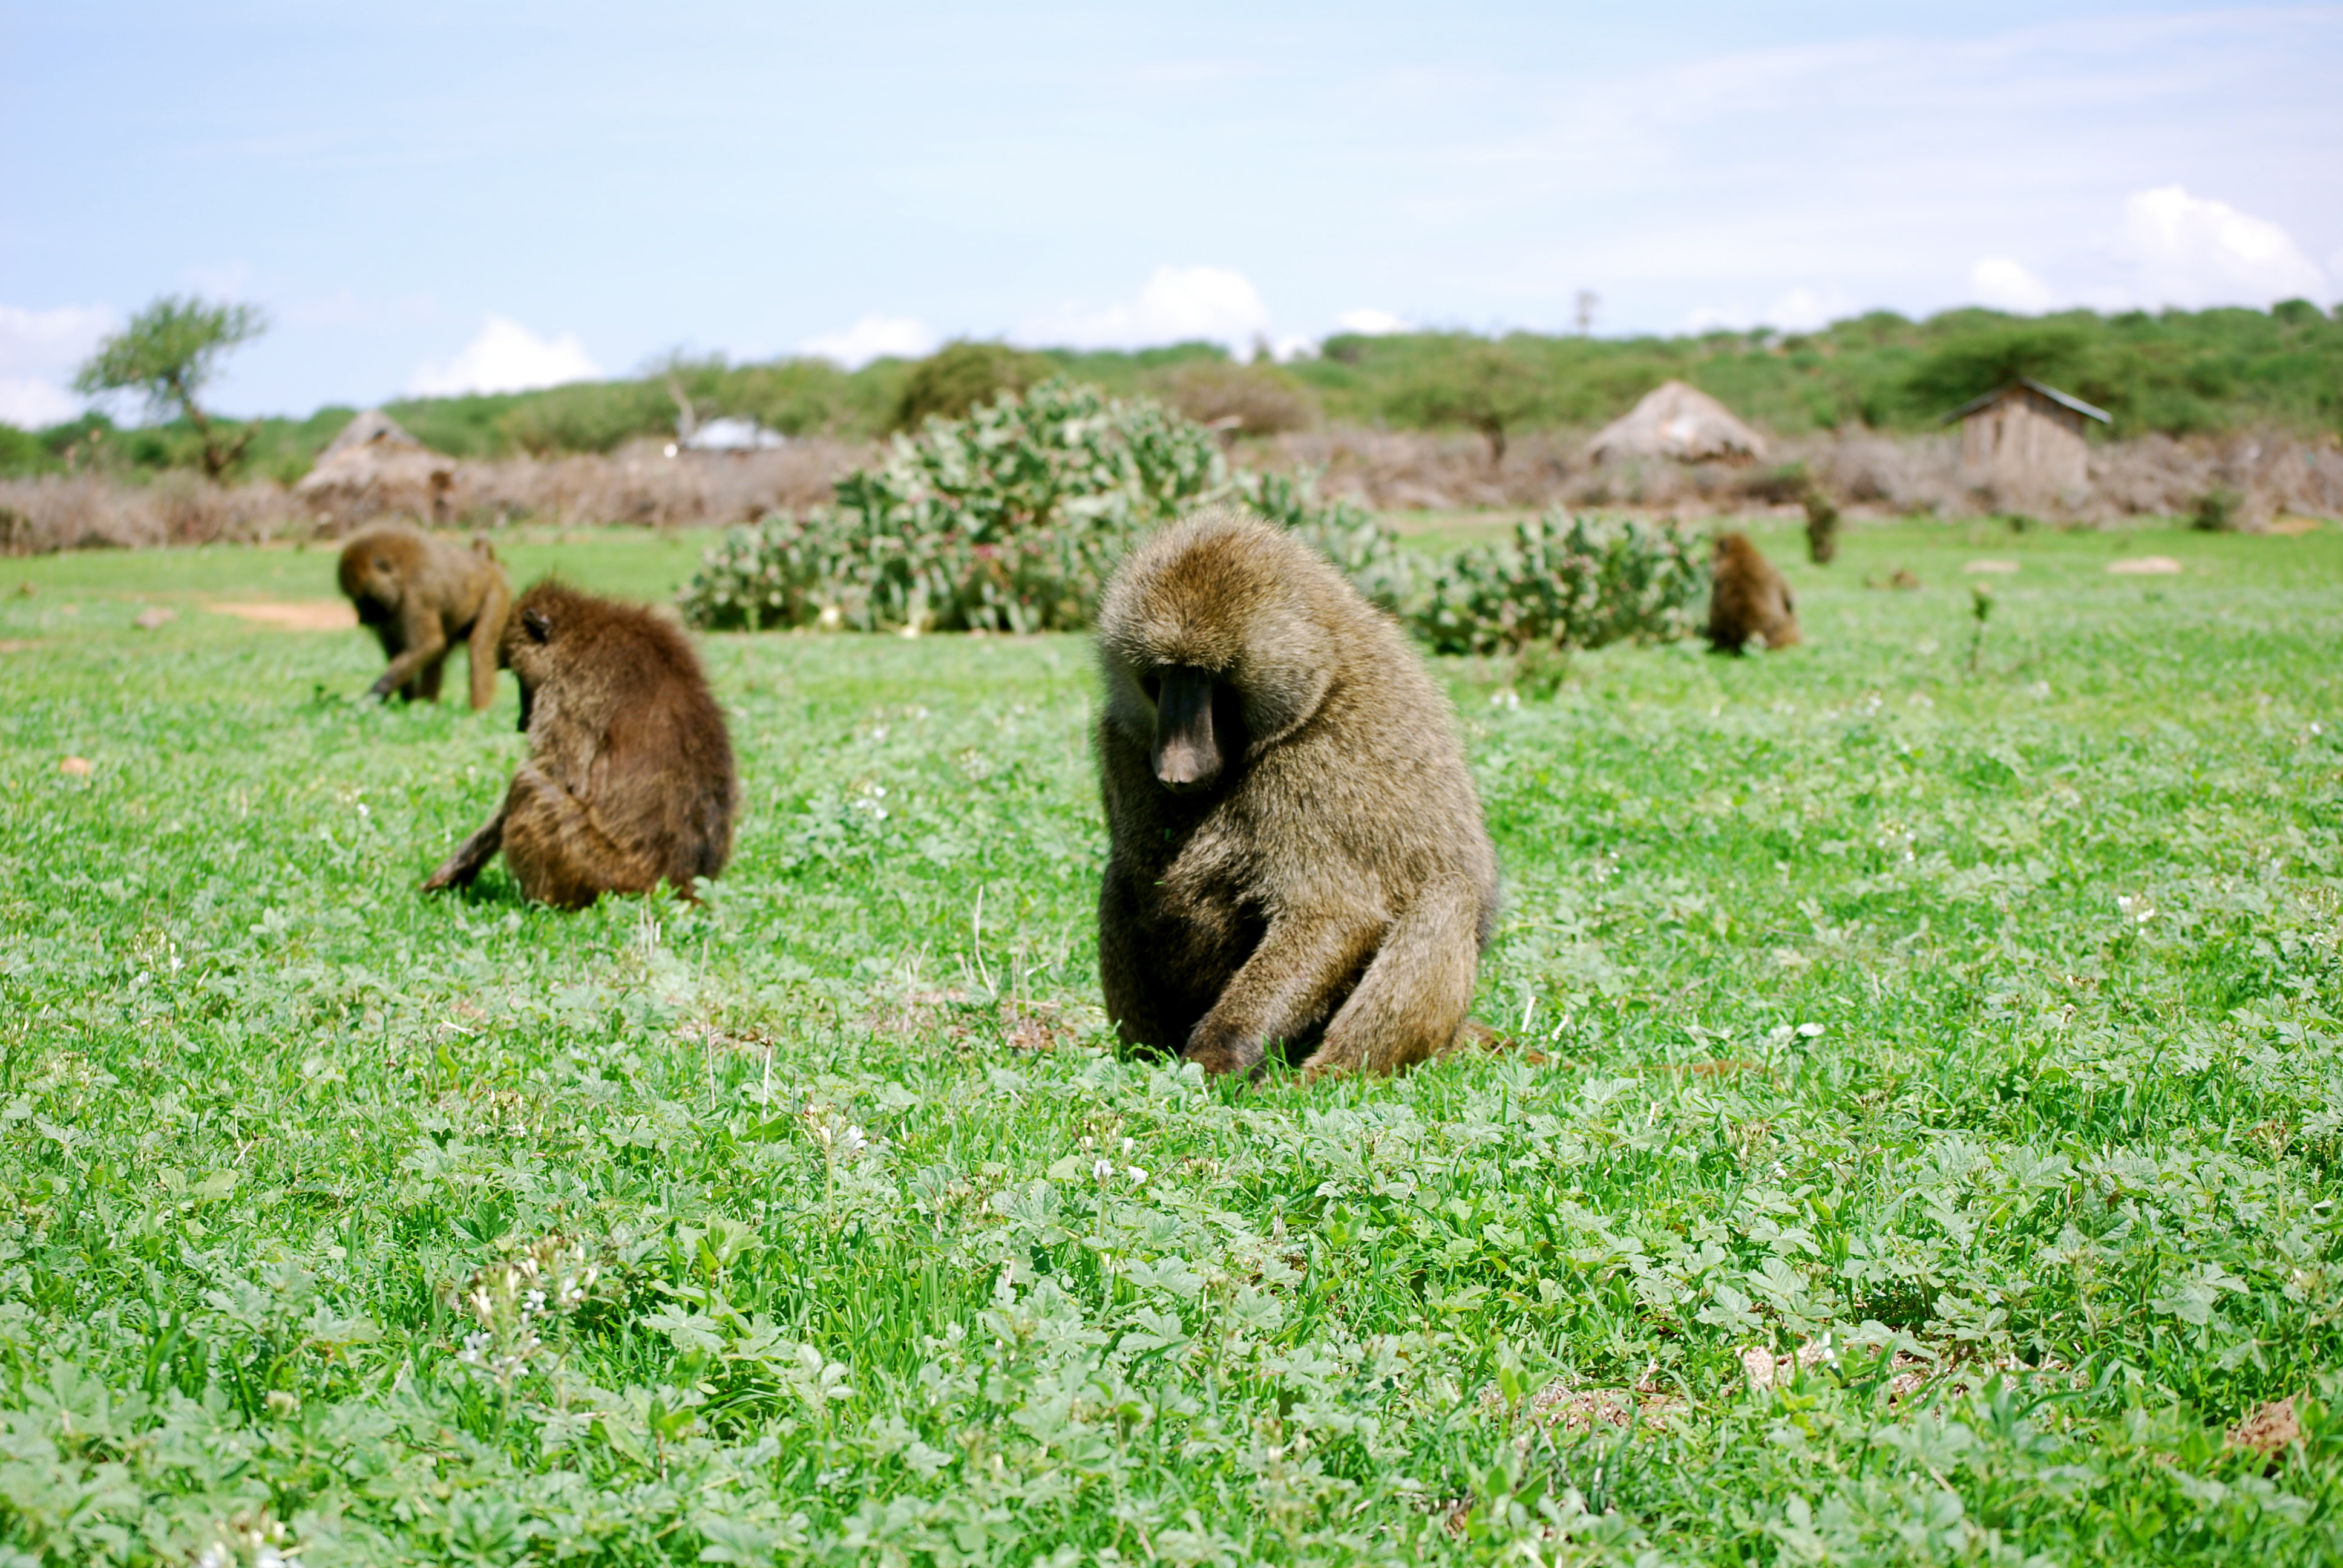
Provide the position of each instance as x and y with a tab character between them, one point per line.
2024	442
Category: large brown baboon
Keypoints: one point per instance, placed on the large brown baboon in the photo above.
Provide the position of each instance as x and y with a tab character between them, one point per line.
629	779
1747	599
422	596
1297	855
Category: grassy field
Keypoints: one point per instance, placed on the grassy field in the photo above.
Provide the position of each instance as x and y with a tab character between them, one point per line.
1954	1021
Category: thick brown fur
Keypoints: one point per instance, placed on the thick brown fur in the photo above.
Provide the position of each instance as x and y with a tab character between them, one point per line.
423	596
1747	599
629	780
1297	858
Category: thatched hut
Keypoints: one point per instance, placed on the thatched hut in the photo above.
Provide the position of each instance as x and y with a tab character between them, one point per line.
1677	421
2024	442
374	467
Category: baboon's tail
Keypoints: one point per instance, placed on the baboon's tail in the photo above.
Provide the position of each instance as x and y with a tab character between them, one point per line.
1408	1005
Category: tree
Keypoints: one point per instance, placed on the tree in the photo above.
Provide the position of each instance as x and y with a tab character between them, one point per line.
169	352
1474	383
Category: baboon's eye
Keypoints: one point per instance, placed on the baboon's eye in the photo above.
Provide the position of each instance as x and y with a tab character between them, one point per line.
1152	684
381	565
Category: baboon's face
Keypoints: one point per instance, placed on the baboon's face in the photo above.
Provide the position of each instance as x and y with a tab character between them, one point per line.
372	588
1199	727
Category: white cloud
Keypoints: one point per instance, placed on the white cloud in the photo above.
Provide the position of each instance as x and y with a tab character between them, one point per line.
39	350
1178	305
506	358
2005	284
1803	309
873	337
1370	323
29	402
2190	251
50	341
1734	317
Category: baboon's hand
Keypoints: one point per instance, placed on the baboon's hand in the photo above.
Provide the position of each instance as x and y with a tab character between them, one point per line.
1218	1048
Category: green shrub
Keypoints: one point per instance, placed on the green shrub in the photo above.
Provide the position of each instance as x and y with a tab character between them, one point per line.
2216	511
1008	520
1566	582
961	377
1013	519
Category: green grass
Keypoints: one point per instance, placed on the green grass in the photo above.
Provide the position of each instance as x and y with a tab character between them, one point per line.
1835	1029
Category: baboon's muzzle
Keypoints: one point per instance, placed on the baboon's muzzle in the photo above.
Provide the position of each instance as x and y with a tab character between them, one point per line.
1187	751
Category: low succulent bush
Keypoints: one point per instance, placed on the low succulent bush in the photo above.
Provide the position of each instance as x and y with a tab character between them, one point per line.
1566	582
1013	519
1008	520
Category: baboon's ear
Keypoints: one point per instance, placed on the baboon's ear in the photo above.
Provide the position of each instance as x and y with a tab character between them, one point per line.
534	621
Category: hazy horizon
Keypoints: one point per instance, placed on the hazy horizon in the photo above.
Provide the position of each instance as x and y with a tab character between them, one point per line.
442	201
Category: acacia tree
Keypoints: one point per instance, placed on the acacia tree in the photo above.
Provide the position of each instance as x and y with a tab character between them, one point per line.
167	353
1481	385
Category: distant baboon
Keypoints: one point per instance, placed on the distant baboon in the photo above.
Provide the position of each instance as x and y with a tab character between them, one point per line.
629	777
1297	856
422	596
1822	527
1748	601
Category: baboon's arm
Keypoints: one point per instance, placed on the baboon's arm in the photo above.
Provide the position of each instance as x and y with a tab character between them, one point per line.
424	639
487	629
1411	1002
1284	988
475	852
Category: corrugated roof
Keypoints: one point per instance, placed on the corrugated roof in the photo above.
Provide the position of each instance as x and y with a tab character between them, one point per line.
2031	384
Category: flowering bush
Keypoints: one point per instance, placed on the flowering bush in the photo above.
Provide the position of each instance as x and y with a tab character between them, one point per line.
1566	582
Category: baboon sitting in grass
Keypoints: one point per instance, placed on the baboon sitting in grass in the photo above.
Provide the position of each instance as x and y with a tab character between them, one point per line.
1747	599
1297	856
422	596
630	780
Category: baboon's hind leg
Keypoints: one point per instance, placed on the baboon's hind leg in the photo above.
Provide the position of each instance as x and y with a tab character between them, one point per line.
561	856
1411	1002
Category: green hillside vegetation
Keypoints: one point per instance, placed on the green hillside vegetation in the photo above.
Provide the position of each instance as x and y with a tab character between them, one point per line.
2179	372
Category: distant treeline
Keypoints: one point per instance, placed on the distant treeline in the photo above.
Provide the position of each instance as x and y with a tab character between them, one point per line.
2179	372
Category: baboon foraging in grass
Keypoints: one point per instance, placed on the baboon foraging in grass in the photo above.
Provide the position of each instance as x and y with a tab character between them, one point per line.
1822	527
422	596
1747	599
1297	858
629	779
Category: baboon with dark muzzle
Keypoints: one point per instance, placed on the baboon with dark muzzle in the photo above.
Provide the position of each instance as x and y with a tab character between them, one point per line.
1298	860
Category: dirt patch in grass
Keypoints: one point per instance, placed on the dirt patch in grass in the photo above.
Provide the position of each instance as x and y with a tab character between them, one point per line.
295	615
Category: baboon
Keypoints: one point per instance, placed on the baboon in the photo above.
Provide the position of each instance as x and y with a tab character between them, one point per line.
1296	854
1822	526
629	778
1747	599
422	596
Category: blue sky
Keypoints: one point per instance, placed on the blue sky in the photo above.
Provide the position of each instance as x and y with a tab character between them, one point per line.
440	196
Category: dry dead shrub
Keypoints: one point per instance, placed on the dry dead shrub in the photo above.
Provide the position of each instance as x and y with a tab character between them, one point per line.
1866	472
641	483
638	483
91	511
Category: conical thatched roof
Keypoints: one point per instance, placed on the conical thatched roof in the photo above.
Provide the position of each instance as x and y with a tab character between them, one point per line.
373	467
1675	420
